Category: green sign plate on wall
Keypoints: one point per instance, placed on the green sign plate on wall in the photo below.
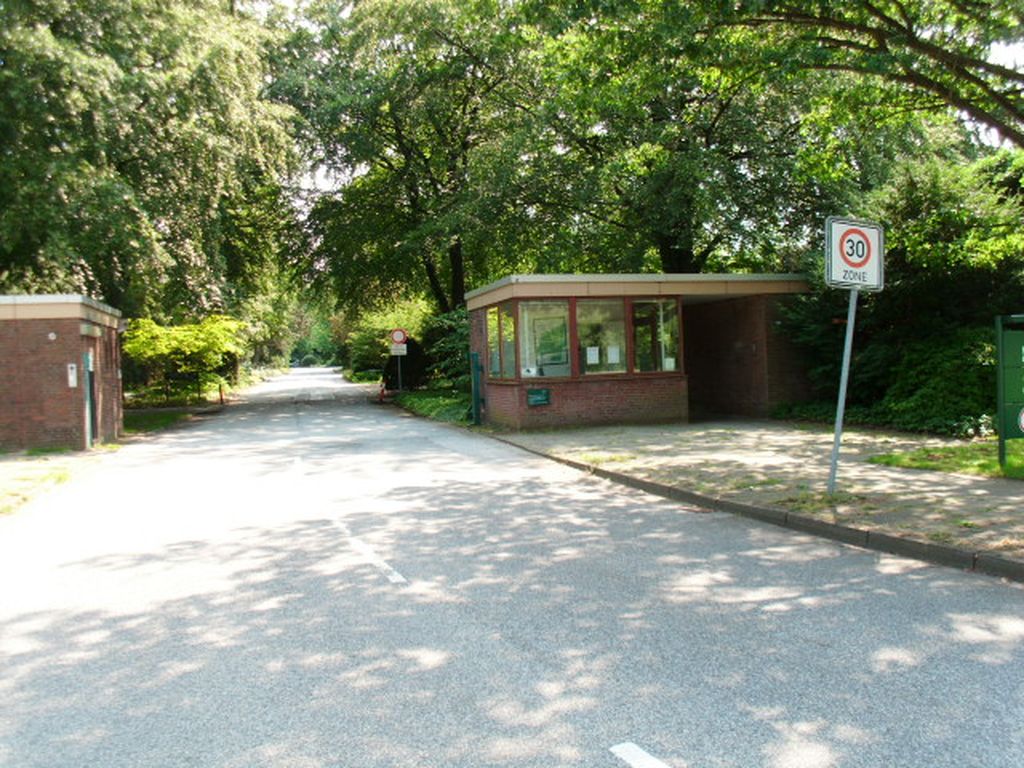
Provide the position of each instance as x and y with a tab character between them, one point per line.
536	397
1013	349
1010	345
1013	420
1013	385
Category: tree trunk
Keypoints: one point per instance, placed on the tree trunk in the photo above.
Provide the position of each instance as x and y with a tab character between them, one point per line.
676	252
435	285
457	264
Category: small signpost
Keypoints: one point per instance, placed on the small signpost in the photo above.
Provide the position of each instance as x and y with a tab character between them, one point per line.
854	260
1010	380
399	348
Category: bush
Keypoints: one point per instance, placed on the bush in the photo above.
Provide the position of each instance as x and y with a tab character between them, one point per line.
446	339
440	405
414	367
945	385
182	358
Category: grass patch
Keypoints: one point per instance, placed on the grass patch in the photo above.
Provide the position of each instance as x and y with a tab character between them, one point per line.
980	457
370	376
820	501
961	523
138	422
605	458
440	405
37	452
764	482
23	485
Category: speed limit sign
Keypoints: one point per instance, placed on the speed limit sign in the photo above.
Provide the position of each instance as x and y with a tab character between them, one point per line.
854	254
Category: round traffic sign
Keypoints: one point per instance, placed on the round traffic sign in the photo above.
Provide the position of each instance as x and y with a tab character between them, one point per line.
855	248
399	336
854	254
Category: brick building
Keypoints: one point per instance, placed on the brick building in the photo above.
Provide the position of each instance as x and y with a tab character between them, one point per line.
60	383
591	349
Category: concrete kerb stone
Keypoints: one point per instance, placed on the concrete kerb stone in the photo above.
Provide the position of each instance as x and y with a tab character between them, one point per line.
938	554
994	565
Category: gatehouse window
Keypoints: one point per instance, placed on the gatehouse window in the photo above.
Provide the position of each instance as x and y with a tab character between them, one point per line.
493	343
656	334
544	338
601	330
501	342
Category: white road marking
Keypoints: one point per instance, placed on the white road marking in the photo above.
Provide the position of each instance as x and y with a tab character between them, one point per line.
636	757
376	560
371	555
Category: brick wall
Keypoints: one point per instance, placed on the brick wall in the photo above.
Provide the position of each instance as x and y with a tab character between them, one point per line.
788	381
737	360
606	400
37	407
107	353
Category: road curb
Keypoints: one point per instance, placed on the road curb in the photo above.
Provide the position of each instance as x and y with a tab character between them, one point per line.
936	554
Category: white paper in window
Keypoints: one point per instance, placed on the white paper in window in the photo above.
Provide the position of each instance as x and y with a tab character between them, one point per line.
613	355
593	355
670	363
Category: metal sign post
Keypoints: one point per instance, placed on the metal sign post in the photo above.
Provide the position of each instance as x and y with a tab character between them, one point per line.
844	378
399	349
854	260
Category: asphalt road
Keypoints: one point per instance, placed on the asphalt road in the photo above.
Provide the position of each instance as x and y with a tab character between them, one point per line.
311	581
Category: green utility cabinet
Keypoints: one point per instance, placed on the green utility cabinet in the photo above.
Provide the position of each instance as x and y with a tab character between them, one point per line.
1010	359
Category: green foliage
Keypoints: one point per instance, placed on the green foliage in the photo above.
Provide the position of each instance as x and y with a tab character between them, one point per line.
438	348
923	354
978	457
940	384
317	346
441	405
446	340
366	338
141	422
944	385
675	137
399	97
197	355
135	136
366	376
471	140
940	52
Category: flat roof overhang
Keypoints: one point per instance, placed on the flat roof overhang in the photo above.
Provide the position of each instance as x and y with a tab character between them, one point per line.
693	288
58	307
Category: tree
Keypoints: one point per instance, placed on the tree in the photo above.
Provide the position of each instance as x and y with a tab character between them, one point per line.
941	50
923	356
124	127
399	98
672	137
197	353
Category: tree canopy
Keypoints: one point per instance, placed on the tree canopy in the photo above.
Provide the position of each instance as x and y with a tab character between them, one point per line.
132	132
941	50
473	139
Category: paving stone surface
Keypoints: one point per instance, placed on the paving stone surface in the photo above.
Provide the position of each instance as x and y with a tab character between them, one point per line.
785	466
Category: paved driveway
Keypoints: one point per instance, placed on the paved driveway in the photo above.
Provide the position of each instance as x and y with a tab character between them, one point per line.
311	581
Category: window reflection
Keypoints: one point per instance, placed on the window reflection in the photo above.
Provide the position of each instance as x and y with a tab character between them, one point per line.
544	338
601	329
656	334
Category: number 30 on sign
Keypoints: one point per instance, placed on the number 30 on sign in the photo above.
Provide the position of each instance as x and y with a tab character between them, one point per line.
854	254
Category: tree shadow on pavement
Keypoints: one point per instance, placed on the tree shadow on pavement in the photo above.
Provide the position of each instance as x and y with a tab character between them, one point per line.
540	623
